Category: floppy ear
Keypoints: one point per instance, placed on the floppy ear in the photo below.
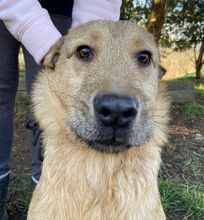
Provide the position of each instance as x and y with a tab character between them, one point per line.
162	71
53	54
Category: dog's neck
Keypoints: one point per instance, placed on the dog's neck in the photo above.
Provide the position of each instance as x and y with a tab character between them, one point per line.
88	176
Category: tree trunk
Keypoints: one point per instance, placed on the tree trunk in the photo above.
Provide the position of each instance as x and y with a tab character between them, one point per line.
199	61
156	18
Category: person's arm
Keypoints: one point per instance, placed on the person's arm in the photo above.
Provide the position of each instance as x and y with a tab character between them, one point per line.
88	10
31	25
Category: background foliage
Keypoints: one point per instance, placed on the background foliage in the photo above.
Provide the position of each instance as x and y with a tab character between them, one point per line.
175	24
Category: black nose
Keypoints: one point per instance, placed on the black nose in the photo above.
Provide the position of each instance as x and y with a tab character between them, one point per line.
114	110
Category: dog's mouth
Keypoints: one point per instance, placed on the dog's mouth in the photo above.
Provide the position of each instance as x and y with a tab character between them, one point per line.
112	142
111	146
109	139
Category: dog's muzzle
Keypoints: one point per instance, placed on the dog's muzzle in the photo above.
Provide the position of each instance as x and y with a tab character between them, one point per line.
114	114
115	124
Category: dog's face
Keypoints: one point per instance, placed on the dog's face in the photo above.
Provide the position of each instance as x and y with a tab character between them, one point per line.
106	76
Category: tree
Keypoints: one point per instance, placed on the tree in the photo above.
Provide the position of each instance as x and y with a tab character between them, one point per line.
156	18
184	28
199	60
149	13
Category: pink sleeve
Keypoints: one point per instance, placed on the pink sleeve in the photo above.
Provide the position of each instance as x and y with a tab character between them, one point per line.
30	24
87	10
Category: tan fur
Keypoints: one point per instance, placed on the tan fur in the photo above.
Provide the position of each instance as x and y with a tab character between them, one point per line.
78	182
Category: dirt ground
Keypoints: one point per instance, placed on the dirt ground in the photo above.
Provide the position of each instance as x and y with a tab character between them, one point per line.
184	154
182	157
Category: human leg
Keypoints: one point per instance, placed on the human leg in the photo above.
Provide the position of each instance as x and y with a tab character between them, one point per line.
9	48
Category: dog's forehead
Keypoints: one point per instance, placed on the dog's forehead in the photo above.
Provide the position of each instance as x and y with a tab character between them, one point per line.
108	31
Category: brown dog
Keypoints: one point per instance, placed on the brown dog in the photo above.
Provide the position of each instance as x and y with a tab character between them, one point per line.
104	113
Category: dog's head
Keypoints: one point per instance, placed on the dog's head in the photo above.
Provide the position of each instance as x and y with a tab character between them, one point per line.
103	79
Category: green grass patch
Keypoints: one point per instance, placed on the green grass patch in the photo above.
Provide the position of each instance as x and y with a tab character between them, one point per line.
20	189
21	106
194	165
190	75
199	91
199	86
192	109
181	199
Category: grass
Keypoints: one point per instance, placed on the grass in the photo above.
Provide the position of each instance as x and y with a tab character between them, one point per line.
23	188
194	165
182	199
192	109
190	76
20	106
199	86
196	108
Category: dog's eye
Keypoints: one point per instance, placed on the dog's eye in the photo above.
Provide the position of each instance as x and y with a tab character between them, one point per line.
84	53
144	57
